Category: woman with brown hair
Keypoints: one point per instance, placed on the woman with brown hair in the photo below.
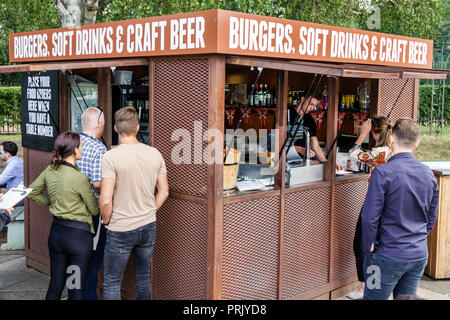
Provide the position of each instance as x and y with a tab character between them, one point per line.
72	203
378	153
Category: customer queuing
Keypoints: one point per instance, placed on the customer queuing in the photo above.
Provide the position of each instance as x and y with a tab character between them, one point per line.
399	212
72	204
93	124
379	128
5	217
128	203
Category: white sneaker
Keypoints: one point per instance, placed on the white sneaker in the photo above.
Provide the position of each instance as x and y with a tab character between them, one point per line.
355	295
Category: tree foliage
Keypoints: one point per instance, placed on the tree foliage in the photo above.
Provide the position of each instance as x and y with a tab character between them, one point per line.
416	18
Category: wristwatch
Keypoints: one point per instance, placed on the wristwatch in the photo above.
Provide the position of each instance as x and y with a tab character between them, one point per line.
356	146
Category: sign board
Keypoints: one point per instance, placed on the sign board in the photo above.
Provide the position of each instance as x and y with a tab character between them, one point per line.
40	114
220	31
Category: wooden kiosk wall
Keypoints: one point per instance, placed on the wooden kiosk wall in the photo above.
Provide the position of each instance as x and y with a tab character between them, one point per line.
267	245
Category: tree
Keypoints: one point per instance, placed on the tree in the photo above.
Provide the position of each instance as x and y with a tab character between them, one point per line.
415	18
78	12
21	16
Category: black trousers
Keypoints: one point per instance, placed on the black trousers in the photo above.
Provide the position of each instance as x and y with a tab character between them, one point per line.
70	250
358	249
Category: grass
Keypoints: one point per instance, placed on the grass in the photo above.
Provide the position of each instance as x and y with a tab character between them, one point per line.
10	137
434	146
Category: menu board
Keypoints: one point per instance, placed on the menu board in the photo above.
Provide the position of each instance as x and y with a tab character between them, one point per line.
40	114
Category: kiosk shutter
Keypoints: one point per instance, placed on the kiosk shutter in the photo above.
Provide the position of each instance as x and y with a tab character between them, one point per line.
179	259
349	199
250	250
389	90
40	219
306	241
181	98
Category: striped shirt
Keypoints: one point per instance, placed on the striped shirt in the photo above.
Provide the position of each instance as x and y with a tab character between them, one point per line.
91	158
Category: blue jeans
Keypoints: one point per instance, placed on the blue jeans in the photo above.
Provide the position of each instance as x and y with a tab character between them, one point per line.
393	276
90	290
118	247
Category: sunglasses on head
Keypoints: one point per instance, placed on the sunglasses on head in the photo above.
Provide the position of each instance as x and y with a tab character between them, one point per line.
100	114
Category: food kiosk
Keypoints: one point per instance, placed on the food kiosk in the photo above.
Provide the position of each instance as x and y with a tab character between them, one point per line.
191	80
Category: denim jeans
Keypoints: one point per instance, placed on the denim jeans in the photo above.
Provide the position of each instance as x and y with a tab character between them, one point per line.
90	290
394	276
118	247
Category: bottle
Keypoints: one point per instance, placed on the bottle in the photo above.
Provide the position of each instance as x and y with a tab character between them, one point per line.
325	98
252	96
256	97
264	95
261	95
289	99
272	97
294	99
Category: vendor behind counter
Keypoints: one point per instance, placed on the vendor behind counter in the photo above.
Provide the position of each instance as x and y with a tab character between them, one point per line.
311	103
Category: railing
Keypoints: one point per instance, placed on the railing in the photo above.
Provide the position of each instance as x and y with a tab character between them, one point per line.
10	129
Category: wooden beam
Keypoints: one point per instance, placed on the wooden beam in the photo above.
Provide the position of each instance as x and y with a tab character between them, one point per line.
330	169
280	176
64	96
370	74
216	121
151	103
14	68
423	75
416	99
88	64
104	102
281	65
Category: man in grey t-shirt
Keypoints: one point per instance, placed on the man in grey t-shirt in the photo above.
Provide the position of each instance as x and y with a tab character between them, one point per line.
130	174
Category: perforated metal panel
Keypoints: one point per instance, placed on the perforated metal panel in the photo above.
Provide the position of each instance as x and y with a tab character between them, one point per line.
181	104
388	93
306	241
250	249
179	259
38	218
349	199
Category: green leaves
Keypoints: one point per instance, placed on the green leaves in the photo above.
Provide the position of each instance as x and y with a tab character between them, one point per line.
10	105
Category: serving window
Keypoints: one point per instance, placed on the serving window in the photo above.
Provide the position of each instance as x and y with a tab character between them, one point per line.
126	86
357	103
250	135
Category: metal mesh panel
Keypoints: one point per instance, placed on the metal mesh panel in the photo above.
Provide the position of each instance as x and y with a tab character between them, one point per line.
39	218
388	93
250	249
181	103
306	241
349	199
179	259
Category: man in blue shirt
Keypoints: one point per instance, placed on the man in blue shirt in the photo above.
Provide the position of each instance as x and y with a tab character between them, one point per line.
93	124
399	212
12	175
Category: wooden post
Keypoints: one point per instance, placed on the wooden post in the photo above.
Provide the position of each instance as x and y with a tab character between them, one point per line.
64	95
104	102
330	174
280	176
215	179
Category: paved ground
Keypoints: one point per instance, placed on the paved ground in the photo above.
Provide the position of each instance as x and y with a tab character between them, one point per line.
17	282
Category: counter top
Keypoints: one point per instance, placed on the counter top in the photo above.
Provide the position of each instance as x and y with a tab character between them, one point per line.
441	166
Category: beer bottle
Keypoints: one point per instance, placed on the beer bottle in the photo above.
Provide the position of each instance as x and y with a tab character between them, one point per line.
290	99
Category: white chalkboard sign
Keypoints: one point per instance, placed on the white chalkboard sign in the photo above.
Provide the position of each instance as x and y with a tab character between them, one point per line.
40	114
